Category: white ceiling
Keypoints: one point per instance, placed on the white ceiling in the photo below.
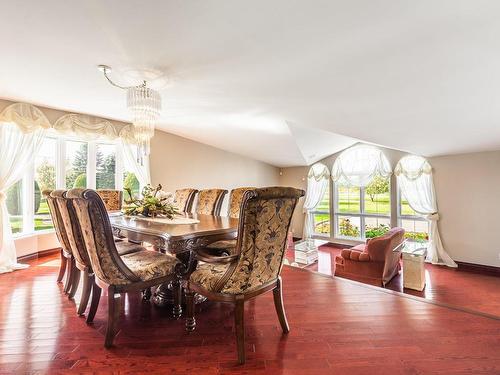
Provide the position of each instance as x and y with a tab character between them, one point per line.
282	81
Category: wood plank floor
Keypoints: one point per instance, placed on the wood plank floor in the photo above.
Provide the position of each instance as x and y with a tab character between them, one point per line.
337	327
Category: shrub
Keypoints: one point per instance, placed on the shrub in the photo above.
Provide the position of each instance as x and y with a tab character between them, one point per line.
417	236
14	199
131	182
80	181
348	229
372	232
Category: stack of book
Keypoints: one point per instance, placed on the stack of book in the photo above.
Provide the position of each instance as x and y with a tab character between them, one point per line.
306	252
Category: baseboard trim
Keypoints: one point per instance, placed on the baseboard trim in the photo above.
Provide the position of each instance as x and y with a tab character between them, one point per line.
38	254
479	268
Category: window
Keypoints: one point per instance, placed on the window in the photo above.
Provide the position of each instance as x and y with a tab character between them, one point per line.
362	212
416	226
64	163
321	215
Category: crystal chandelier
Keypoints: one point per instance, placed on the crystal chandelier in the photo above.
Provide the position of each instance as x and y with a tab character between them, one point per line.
144	105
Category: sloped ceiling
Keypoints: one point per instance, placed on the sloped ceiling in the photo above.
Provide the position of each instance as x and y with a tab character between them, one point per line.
282	81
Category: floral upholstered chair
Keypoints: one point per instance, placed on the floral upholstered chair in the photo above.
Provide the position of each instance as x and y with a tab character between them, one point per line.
235	198
184	199
255	266
112	199
66	254
119	274
210	201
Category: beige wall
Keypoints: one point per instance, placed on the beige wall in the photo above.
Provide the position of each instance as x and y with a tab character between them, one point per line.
177	162
468	201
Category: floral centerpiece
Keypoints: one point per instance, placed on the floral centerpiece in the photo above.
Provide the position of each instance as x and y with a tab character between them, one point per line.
154	202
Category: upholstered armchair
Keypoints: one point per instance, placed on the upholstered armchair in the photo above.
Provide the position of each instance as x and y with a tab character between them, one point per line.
235	198
112	199
256	264
184	199
119	274
66	254
210	201
375	262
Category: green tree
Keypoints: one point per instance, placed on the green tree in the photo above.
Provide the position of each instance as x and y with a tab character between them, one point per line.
105	171
78	165
15	199
46	176
378	185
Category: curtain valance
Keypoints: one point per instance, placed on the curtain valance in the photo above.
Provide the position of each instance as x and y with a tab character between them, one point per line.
29	118
318	172
412	167
358	165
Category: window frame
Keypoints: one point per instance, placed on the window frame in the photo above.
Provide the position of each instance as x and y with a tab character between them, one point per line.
329	213
402	217
361	214
28	179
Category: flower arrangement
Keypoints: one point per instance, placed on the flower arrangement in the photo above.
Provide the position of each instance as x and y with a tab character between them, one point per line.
154	202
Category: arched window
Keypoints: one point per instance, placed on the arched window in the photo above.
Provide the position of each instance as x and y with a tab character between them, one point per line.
317	202
362	204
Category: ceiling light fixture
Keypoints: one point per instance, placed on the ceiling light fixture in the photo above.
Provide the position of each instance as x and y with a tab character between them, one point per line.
144	105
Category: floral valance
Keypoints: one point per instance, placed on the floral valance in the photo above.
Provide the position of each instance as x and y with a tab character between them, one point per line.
358	165
29	118
412	167
319	171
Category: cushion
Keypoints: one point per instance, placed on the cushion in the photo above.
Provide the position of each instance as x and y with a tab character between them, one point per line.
148	265
207	275
222	245
125	247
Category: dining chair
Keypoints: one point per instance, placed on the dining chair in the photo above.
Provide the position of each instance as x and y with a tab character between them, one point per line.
210	201
80	255
255	266
226	247
184	199
67	262
112	199
119	274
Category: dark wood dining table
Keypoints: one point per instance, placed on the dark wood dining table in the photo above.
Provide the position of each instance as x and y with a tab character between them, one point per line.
181	240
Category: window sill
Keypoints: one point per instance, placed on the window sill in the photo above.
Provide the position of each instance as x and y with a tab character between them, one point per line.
32	234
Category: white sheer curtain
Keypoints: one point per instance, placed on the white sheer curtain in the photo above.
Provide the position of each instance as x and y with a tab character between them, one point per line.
22	128
139	167
358	165
414	175
317	183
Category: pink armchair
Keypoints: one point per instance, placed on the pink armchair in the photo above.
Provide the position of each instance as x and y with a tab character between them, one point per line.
375	262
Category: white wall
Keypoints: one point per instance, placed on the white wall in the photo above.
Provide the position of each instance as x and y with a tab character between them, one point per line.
467	189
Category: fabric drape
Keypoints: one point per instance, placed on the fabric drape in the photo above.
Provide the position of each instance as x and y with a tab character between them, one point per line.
317	183
358	165
139	167
22	128
414	176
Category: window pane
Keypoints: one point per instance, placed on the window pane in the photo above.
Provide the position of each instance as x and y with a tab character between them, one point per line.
378	197
416	229
348	199
105	166
349	226
15	206
376	226
45	179
406	210
76	164
322	215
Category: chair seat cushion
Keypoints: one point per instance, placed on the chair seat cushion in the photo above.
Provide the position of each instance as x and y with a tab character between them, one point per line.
148	265
207	275
124	247
222	245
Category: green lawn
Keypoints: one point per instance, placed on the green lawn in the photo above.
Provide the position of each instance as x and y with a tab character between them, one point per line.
42	219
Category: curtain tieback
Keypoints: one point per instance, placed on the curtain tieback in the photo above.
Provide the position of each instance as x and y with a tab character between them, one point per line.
433	217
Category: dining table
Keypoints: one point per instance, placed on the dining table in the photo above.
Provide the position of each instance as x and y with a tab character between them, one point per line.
181	236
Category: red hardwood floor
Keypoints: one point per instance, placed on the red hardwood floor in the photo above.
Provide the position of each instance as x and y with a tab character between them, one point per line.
337	327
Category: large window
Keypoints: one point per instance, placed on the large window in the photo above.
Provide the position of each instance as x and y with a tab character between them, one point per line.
416	226
64	163
362	212
321	215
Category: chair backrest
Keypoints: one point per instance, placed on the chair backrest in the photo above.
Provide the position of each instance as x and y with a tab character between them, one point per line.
184	199
235	198
57	220
98	238
72	229
381	248
266	214
112	199
210	201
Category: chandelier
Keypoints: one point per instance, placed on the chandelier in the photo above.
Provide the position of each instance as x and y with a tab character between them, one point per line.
144	105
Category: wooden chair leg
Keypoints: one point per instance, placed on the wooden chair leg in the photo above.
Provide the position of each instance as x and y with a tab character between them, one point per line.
177	291
75	280
190	319
87	288
239	325
146	295
114	301
94	303
62	268
280	309
69	274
